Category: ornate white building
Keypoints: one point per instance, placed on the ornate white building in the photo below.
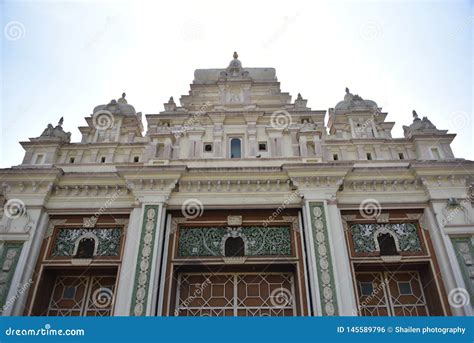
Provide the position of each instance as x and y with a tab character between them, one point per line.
238	201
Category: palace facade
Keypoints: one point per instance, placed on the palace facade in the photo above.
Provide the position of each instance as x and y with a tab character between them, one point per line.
238	201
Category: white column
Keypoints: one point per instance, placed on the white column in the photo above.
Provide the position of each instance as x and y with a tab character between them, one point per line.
448	264
126	277
343	276
26	266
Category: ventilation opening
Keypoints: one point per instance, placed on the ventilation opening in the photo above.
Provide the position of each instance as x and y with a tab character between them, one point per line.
335	157
86	248
102	159
136	159
208	147
72	160
369	156
401	156
387	244
234	247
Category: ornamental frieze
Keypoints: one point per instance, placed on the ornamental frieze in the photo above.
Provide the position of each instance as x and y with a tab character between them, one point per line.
67	240
258	241
364	236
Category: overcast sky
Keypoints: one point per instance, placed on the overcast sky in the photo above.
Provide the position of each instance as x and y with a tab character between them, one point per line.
64	58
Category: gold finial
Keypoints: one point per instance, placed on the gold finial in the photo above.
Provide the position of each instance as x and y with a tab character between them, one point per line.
236	55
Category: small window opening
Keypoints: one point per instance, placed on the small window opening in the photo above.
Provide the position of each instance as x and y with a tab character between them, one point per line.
262	146
72	160
335	157
387	244
369	156
208	147
86	248
401	156
136	159
234	246
102	159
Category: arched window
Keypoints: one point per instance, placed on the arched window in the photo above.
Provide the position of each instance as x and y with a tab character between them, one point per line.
86	248
234	247
387	244
235	148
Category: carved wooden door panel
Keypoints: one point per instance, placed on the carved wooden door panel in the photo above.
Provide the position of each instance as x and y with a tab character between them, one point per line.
236	294
82	296
397	293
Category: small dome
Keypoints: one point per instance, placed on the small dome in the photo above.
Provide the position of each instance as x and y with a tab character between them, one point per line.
355	102
119	107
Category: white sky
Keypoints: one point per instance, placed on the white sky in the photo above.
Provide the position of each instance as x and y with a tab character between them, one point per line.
75	55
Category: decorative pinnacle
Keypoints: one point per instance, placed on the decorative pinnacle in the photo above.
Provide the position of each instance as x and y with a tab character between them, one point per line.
236	55
61	121
347	89
123	95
